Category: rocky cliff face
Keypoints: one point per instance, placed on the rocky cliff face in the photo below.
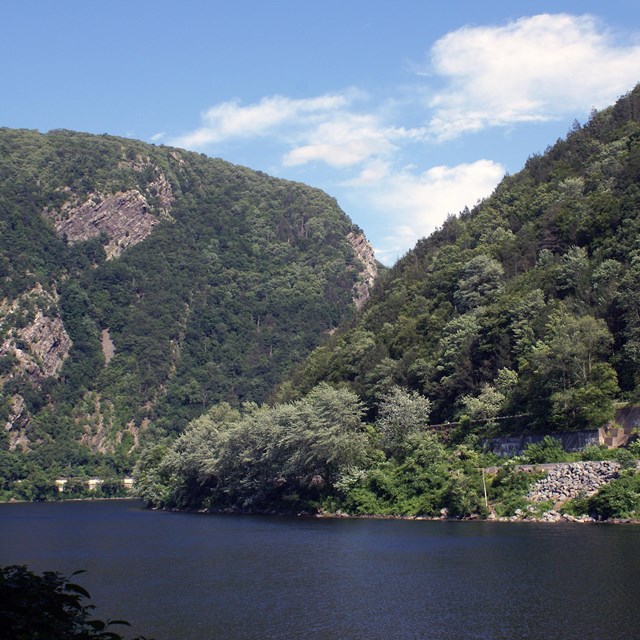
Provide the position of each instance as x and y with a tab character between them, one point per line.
125	217
369	272
34	346
34	335
17	423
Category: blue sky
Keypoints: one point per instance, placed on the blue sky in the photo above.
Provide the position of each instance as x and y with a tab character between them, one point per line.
405	111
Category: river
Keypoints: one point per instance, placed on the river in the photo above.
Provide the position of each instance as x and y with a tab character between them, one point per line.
178	576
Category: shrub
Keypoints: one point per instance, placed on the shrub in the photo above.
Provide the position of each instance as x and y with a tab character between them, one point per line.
509	489
618	499
48	607
547	450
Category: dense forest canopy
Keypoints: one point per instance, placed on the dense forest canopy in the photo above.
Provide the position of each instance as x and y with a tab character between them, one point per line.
526	304
139	285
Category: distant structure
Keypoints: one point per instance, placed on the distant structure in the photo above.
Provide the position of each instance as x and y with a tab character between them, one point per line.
92	483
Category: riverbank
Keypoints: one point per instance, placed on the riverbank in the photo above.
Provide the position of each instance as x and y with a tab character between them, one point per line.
88	499
521	516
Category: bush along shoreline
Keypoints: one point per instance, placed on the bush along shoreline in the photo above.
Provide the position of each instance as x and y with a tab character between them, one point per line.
320	456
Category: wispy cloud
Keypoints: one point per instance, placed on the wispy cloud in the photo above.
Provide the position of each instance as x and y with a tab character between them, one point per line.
232	120
534	69
417	203
326	129
349	139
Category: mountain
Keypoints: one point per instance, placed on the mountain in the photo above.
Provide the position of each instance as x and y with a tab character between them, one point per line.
528	305
139	285
519	316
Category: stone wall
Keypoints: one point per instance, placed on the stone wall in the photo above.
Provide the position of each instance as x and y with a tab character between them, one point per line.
571	441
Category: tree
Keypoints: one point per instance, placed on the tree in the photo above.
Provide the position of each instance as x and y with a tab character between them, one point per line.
590	405
569	385
401	414
48	607
485	406
481	279
628	306
263	456
336	439
574	276
456	347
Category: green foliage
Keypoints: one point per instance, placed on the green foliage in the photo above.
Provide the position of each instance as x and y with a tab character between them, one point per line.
429	480
481	280
262	456
241	278
48	607
485	406
596	452
402	414
508	490
619	498
540	279
549	449
566	378
316	453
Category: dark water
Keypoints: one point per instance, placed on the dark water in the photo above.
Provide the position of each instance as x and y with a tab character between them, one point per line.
192	577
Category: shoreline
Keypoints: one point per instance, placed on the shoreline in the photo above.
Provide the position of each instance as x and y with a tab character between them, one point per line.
15	501
548	517
561	518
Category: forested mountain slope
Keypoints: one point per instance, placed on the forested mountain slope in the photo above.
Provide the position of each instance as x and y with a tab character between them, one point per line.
141	284
528	304
522	315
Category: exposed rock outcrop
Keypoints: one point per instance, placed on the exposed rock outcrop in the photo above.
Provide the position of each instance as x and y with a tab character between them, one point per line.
124	217
97	423
159	190
35	334
108	348
48	346
369	272
17	423
35	346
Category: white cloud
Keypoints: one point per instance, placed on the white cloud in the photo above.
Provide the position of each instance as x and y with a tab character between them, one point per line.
320	129
534	69
372	173
419	203
231	120
157	136
348	139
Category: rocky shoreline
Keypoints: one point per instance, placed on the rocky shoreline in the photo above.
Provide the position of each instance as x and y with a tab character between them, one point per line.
526	516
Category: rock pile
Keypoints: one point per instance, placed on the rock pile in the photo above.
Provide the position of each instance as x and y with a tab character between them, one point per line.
571	479
555	516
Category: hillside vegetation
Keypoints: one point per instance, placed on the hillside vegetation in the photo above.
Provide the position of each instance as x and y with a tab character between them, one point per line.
521	315
526	304
139	285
